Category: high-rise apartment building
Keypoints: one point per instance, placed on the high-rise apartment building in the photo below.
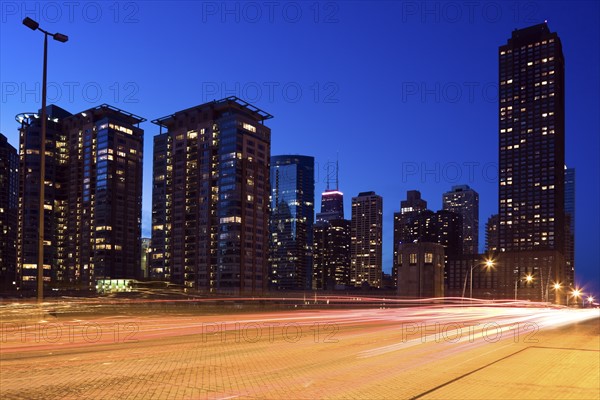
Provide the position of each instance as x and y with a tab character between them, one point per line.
210	203
9	201
366	239
531	161
55	198
104	195
92	200
464	201
291	222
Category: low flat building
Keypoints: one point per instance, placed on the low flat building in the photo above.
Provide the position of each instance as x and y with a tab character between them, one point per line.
420	270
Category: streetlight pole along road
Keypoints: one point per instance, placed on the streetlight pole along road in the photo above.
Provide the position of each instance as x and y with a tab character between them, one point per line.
33	25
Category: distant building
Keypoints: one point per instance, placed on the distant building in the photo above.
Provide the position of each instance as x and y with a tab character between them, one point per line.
331	254
570	225
291	222
465	201
146	255
492	241
210	200
331	268
9	202
420	270
404	224
531	114
366	240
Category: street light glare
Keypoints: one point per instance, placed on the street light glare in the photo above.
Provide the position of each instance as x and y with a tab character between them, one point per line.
529	278
557	286
31	24
60	37
489	263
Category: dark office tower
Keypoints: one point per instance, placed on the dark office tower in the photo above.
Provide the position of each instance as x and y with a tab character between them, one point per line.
332	205
531	165
211	197
9	201
404	220
366	240
331	254
291	221
443	227
465	201
55	197
104	200
491	234
570	226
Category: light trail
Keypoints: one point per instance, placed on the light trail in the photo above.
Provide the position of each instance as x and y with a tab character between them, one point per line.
180	353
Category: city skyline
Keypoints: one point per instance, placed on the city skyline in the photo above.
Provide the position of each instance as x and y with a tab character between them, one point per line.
355	178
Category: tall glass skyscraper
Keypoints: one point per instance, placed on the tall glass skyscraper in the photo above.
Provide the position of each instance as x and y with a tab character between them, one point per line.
291	222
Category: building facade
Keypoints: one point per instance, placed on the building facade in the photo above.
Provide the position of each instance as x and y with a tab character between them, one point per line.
464	201
9	202
531	158
210	225
420	270
291	222
366	240
492	242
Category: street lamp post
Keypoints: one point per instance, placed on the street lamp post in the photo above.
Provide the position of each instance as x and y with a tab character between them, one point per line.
527	278
33	25
488	264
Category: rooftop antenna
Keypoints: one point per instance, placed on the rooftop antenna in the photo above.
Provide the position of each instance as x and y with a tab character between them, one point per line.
327	173
337	171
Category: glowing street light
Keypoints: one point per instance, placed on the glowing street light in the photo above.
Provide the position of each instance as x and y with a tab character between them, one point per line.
576	293
528	278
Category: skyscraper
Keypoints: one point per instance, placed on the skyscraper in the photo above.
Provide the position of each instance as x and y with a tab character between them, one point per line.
570	225
331	268
531	160
9	200
366	239
103	223
211	196
410	209
465	201
92	200
291	221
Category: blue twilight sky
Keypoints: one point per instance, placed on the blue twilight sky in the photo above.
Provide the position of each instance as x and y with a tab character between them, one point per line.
404	91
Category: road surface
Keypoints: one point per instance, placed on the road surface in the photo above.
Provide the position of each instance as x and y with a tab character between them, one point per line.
428	352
